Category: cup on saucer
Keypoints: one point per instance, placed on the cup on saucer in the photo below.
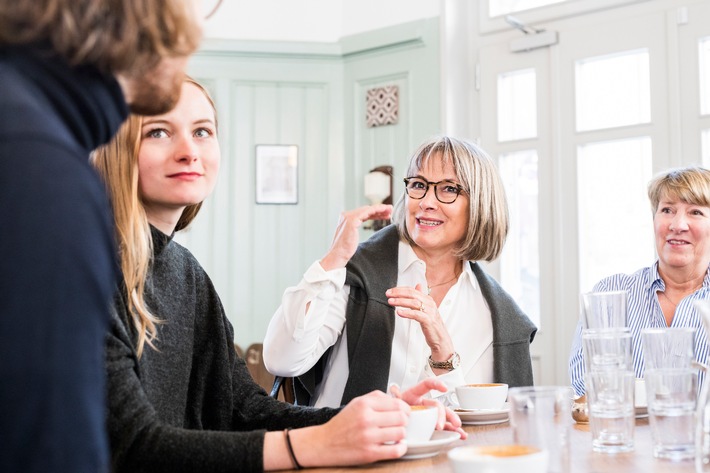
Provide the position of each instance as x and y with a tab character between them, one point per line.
422	422
482	396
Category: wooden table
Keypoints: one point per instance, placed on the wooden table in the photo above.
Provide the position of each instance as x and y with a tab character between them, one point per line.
584	460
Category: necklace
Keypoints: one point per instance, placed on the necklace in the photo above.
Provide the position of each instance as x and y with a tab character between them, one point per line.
675	304
429	288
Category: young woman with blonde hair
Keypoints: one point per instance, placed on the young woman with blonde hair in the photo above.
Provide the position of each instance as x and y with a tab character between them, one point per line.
180	399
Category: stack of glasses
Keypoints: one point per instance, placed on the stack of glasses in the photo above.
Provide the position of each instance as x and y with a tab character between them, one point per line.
609	378
671	390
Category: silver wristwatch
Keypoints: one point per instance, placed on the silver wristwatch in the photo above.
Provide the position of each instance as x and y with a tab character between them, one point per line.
450	364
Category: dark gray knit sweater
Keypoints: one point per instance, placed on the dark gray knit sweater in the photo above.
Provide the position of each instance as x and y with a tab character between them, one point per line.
191	405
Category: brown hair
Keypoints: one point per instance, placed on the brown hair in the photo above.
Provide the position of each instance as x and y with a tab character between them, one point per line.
690	184
117	35
117	163
487	209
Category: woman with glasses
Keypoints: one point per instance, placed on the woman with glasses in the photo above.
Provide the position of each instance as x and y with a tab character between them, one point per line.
411	302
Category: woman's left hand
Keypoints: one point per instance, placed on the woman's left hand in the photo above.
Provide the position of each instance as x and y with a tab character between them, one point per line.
448	419
413	303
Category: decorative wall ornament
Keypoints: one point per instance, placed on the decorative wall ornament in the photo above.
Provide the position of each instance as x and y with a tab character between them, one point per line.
382	106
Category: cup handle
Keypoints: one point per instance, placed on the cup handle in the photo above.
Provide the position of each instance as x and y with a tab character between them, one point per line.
701	366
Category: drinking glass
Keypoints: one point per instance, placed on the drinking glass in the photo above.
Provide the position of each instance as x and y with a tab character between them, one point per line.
606	349
672	399
541	416
603	310
610	397
668	347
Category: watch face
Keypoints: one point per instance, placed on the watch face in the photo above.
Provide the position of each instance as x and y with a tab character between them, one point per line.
455	361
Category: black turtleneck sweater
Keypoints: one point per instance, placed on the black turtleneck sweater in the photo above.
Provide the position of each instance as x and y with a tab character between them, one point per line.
189	405
57	262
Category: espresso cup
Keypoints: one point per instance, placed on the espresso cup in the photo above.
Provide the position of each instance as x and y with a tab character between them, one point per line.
482	396
499	459
422	422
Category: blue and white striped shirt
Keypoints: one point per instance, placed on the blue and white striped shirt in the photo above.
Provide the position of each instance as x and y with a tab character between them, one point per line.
644	311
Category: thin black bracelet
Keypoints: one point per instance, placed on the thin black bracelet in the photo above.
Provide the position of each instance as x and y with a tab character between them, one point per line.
290	450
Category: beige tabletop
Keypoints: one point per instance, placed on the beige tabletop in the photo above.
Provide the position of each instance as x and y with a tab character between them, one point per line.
583	459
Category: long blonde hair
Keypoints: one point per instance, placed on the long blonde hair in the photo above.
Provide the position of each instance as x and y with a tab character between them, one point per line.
117	35
117	163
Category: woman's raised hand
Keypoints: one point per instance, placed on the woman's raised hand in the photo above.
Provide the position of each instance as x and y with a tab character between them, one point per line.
346	236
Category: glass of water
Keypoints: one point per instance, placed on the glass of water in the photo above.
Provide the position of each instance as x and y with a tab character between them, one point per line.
672	398
612	417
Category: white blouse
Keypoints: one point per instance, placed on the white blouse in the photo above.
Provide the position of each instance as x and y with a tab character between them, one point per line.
299	333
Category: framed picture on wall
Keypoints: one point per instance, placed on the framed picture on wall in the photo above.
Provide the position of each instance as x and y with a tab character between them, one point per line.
276	174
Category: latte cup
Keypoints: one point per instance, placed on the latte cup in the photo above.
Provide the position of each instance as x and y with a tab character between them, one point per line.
498	459
482	396
421	424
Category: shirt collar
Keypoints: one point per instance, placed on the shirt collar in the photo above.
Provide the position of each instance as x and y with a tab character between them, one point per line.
408	260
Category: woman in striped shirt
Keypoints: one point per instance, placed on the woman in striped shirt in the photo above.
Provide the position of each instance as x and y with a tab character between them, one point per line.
662	294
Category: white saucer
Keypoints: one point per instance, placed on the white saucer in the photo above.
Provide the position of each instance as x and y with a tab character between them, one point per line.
431	447
483	416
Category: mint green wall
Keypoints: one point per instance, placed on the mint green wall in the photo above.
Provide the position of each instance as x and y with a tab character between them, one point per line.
313	96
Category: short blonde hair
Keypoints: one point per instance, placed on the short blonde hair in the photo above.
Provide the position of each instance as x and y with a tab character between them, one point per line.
117	36
117	163
690	185
488	208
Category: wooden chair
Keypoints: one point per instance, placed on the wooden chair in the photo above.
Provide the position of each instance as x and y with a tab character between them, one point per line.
255	363
283	389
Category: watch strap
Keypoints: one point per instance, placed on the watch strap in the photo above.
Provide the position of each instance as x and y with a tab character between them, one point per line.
449	364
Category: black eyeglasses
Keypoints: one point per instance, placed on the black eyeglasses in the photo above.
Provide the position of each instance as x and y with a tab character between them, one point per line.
446	192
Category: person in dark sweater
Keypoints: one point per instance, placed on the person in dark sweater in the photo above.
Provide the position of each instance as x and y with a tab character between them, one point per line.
180	399
69	73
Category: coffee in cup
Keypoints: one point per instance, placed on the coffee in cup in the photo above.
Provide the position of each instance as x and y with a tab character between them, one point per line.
422	422
482	396
499	458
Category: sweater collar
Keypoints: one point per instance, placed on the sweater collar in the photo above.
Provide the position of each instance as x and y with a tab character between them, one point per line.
160	240
90	102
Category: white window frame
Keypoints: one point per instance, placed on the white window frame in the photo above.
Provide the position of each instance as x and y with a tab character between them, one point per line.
547	13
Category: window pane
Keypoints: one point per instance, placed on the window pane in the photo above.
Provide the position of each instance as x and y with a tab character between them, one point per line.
704	75
517	105
502	7
705	147
520	268
613	90
615	219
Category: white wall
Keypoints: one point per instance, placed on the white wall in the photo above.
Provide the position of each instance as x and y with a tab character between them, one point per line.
311	95
311	20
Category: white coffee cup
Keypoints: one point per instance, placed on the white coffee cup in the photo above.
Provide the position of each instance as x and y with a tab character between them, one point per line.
422	422
482	396
498	459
